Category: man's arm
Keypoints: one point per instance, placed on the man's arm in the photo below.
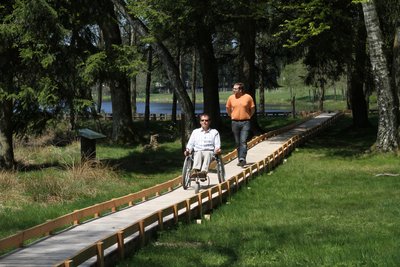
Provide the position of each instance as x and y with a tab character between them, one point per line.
190	144
217	143
252	110
228	107
252	107
228	110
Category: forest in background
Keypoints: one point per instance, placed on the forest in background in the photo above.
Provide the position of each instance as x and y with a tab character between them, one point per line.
53	52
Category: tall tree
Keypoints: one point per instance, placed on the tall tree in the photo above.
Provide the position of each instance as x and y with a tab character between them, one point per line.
123	129
357	77
8	60
388	136
31	51
204	29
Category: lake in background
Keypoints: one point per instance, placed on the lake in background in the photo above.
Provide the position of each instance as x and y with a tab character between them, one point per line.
166	108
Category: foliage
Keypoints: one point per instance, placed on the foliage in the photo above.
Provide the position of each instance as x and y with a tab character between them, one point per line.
94	67
129	60
309	22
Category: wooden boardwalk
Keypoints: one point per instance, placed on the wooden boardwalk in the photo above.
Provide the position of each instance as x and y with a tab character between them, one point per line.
55	249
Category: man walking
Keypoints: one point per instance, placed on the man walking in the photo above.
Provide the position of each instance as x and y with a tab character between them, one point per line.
240	107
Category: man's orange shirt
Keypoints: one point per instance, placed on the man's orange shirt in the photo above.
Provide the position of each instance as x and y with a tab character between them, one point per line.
240	107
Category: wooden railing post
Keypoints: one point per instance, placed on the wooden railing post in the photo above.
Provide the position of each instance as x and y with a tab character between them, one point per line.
188	211
199	205
160	220
142	233
220	193
209	192
176	214
68	263
121	245
100	254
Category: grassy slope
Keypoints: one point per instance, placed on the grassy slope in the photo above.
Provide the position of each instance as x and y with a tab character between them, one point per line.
324	207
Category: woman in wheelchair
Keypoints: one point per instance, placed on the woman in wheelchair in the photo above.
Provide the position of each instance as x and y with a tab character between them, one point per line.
204	142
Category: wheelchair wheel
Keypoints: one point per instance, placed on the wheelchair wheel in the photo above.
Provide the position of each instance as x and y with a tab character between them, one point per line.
220	169
187	167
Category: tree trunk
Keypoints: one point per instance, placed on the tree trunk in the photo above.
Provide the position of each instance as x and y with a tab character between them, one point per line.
99	96
174	98
348	84
194	77
119	84
396	63
147	90
321	98
357	97
247	54
209	69
262	97
6	135
174	107
387	138
72	115
133	84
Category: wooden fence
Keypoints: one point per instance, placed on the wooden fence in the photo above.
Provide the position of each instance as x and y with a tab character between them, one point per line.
138	233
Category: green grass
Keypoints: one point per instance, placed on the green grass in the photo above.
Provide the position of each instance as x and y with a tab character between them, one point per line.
325	206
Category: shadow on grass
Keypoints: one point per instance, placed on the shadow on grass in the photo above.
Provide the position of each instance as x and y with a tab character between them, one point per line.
37	167
149	162
345	140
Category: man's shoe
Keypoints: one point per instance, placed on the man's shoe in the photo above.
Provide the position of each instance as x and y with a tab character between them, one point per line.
241	163
194	173
203	176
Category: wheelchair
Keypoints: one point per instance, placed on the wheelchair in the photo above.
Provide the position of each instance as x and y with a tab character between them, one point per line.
187	167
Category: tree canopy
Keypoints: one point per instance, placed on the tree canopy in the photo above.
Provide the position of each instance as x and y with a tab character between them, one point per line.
53	52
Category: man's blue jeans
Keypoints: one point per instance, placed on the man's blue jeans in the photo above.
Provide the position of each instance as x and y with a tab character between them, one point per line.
241	131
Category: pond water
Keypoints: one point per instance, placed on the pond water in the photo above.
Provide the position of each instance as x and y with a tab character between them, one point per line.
166	108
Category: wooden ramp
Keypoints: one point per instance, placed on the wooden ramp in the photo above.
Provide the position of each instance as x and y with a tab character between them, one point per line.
55	250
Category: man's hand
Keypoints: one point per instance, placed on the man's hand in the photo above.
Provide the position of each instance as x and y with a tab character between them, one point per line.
186	152
217	151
